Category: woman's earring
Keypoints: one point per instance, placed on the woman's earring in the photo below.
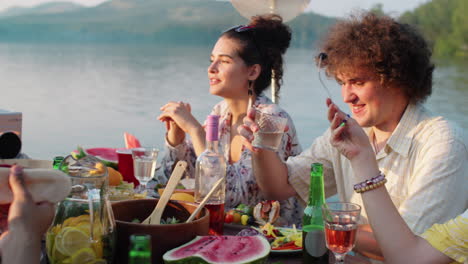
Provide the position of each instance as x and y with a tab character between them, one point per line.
250	93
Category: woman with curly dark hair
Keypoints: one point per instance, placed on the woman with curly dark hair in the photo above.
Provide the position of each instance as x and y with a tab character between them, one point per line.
385	72
242	63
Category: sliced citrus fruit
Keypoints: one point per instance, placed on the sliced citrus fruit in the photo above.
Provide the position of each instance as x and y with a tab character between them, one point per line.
115	177
98	248
73	221
84	255
57	257
70	240
85	227
100	169
183	197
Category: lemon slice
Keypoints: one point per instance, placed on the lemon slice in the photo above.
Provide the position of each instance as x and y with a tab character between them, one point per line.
84	255
98	248
70	240
183	197
73	221
85	227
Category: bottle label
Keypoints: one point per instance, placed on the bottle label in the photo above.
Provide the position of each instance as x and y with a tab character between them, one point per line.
314	243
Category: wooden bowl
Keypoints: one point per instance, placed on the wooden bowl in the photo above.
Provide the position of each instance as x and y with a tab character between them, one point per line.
163	237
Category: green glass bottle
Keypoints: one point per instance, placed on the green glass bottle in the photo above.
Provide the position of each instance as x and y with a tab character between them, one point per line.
140	249
313	236
57	161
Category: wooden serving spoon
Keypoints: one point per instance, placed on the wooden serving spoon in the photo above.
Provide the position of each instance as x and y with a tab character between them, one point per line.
203	202
155	216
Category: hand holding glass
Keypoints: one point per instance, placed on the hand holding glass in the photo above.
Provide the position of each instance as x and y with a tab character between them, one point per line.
270	132
144	164
341	222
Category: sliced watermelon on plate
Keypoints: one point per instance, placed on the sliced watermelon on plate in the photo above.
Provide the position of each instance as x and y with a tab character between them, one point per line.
131	141
220	249
108	156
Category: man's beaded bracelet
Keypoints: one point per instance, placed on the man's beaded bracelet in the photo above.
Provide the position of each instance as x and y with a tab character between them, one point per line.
370	184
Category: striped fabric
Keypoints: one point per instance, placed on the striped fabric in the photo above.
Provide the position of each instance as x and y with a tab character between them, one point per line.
451	238
425	162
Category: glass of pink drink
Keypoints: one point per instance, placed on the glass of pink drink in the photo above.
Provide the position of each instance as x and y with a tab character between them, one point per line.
341	222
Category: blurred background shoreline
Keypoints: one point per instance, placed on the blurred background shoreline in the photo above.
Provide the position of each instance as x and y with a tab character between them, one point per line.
85	75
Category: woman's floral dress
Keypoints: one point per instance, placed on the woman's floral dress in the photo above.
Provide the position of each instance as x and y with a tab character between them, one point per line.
241	186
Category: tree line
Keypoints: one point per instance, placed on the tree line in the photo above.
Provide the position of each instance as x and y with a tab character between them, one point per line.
444	23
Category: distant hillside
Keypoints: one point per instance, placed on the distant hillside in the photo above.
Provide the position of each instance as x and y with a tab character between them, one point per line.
155	21
445	24
48	8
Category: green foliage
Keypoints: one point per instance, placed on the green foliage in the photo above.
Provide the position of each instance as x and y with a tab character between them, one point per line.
169	221
194	22
377	9
444	23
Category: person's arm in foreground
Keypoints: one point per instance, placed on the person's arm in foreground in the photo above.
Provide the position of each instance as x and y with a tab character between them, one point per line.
179	120
396	240
27	222
270	172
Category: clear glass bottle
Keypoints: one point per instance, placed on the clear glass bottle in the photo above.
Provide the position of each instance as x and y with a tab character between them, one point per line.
313	236
140	249
83	227
211	167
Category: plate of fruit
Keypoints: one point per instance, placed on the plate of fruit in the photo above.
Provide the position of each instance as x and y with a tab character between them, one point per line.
282	239
240	215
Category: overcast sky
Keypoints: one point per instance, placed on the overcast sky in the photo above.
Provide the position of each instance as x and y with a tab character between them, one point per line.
324	7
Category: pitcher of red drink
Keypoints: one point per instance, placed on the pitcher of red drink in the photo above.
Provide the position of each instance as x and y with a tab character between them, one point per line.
210	167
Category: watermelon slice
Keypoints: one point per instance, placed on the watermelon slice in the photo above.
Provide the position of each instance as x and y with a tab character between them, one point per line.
220	249
131	141
108	156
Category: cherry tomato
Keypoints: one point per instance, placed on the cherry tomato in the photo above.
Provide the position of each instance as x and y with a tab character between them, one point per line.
228	218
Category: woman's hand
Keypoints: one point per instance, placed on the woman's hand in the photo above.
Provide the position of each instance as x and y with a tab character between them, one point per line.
179	120
346	134
247	129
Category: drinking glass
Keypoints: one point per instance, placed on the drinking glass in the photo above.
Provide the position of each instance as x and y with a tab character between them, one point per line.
341	222
270	130
144	165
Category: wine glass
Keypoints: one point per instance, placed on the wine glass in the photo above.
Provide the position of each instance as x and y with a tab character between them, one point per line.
144	165
341	222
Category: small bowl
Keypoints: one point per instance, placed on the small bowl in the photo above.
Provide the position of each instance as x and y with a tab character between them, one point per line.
163	237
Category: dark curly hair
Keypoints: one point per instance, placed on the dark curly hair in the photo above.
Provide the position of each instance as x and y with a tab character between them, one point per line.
263	42
396	52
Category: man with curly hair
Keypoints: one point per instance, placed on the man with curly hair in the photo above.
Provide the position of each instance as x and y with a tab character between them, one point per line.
385	72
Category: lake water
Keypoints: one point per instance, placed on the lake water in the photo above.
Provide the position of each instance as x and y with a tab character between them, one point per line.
89	95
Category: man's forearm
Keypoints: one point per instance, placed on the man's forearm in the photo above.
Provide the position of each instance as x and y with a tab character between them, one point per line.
366	244
15	246
271	175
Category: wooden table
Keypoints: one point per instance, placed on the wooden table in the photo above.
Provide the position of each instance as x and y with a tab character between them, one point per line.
280	258
291	258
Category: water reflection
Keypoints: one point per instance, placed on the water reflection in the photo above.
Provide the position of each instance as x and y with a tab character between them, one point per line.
90	94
